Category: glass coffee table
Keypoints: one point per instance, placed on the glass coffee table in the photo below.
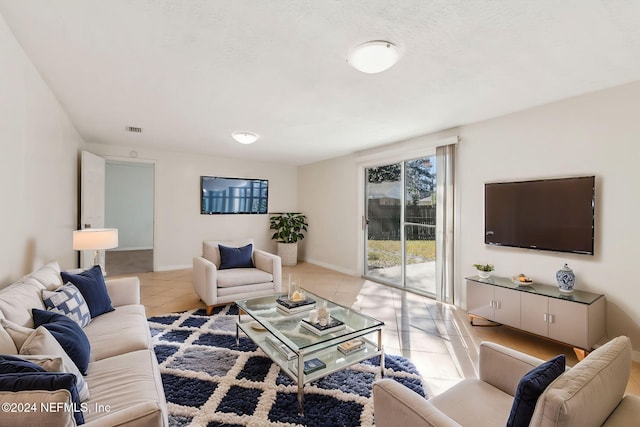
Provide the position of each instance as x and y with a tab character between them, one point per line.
283	338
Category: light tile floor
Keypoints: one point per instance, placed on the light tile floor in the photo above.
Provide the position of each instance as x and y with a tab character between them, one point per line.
436	337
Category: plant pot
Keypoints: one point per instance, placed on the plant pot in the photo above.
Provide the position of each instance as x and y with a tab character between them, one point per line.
484	274
288	252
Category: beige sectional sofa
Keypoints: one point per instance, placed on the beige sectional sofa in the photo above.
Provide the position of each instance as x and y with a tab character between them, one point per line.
592	393
123	378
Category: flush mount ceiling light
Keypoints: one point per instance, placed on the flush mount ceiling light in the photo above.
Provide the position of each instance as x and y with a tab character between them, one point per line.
245	137
374	56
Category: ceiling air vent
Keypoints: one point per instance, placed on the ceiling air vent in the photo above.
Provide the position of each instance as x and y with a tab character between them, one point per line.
133	129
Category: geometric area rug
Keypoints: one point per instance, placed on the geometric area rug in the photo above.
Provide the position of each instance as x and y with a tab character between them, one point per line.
210	381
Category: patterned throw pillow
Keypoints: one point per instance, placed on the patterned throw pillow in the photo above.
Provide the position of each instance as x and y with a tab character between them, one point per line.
68	300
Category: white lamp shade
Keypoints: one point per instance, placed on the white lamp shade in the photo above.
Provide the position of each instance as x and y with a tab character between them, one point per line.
374	56
95	239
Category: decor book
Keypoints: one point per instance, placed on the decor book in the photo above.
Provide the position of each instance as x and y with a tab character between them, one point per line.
209	380
318	329
292	307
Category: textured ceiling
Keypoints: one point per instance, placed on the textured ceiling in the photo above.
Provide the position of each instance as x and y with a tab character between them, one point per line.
191	72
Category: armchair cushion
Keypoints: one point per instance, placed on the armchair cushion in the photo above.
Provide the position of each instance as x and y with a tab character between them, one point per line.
531	387
242	277
235	257
472	400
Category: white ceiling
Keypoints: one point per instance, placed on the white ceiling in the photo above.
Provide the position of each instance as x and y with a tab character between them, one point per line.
190	72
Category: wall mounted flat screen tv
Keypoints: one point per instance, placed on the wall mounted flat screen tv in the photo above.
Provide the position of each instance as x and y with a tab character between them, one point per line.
233	195
549	214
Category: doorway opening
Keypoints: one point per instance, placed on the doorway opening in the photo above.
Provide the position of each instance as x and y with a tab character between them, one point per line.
129	207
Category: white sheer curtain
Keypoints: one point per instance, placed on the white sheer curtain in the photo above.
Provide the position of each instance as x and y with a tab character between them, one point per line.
445	180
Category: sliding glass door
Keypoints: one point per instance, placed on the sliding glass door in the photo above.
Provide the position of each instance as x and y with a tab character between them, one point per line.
420	225
383	231
400	224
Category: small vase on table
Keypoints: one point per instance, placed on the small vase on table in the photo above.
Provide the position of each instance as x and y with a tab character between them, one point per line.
566	279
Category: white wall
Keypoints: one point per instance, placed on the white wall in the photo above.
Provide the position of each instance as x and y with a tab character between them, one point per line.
591	134
327	194
38	168
129	203
179	226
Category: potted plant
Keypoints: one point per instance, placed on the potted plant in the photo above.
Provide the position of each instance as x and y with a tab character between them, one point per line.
484	270
288	230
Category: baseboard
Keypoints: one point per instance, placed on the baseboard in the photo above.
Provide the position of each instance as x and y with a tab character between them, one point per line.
141	248
635	355
173	267
331	267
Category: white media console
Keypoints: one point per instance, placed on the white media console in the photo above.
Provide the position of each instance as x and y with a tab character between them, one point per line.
576	319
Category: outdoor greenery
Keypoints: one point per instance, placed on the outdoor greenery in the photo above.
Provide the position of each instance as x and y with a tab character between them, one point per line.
387	253
419	175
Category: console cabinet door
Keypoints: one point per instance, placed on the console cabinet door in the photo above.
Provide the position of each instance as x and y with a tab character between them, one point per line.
479	300
568	322
507	307
534	313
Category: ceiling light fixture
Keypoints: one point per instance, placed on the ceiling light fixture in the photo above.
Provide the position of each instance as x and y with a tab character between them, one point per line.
245	137
374	56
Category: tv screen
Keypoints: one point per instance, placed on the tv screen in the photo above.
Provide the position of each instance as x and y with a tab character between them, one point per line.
233	195
550	214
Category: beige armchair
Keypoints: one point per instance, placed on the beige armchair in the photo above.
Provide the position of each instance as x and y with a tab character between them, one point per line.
215	286
589	394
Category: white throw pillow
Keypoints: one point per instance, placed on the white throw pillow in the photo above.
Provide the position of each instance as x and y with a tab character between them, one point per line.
46	362
42	342
18	333
17	300
48	276
7	346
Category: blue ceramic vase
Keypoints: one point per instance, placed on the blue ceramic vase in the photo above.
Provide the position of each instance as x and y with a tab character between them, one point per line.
566	279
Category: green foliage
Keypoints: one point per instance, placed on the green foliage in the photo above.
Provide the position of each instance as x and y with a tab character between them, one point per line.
387	173
420	177
289	227
485	267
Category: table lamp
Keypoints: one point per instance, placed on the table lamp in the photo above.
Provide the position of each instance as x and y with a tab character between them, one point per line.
96	239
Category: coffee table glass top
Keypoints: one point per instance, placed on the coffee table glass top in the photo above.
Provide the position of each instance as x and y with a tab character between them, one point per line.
286	327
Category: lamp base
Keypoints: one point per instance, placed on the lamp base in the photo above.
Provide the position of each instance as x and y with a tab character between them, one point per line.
96	261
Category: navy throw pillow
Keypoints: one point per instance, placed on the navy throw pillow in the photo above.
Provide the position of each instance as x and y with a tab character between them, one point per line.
14	365
69	335
530	387
236	257
93	289
50	381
